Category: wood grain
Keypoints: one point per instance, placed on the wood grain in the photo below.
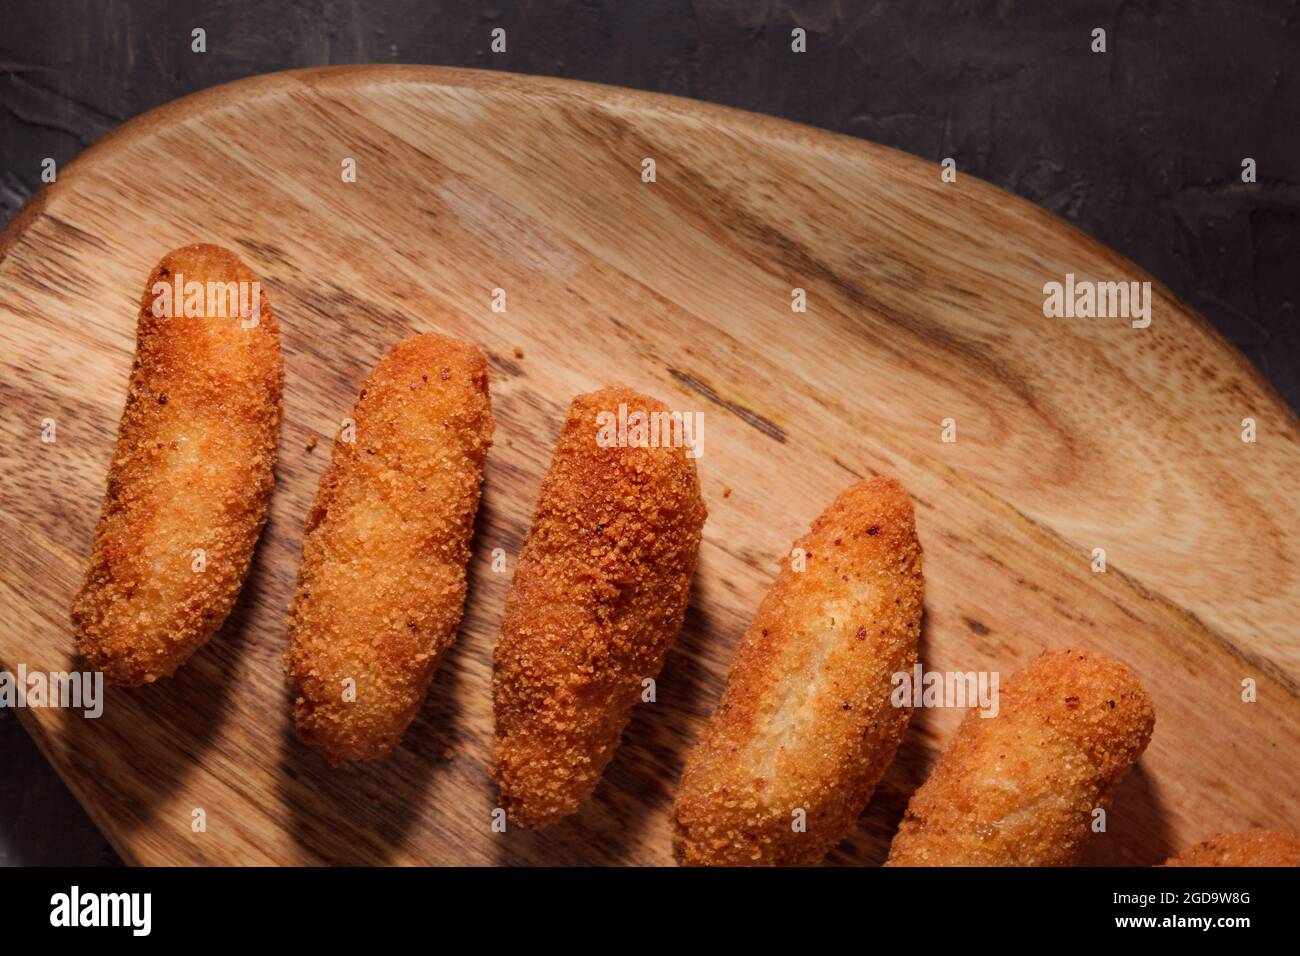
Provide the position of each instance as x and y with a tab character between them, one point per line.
925	303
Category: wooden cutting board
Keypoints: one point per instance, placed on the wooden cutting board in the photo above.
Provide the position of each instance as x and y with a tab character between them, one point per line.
924	303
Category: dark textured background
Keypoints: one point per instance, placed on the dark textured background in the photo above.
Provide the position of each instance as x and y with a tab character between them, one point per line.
1142	146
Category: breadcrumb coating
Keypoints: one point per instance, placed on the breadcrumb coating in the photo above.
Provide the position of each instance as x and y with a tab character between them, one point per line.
383	577
598	596
1019	789
1251	848
192	472
806	722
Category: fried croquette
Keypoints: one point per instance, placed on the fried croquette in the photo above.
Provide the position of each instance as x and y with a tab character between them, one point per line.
1251	848
383	577
598	596
190	481
1020	788
806	727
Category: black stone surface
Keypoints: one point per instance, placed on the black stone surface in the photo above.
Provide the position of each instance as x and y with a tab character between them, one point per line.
1141	146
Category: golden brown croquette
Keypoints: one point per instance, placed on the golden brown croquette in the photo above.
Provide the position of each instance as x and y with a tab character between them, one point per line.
1251	848
190	481
806	727
1020	788
598	596
383	576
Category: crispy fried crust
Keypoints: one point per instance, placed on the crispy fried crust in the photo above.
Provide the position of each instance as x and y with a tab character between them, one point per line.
383	576
599	595
1019	789
1252	848
806	721
193	469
